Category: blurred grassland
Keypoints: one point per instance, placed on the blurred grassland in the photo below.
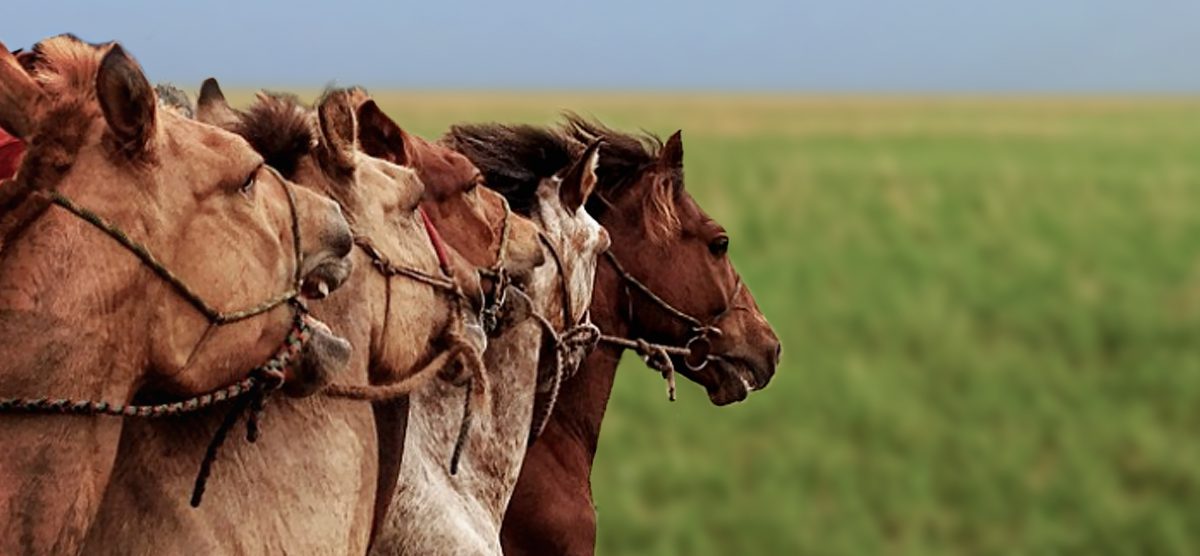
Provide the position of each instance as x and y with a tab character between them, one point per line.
990	311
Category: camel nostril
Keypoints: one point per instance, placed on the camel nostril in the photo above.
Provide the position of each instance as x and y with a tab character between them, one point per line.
341	241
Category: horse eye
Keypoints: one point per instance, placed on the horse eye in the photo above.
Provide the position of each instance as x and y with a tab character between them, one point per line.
719	246
475	182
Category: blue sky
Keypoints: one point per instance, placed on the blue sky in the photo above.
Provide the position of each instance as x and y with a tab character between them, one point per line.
830	46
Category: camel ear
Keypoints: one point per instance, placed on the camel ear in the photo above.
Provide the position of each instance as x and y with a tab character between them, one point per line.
672	151
212	108
338	130
126	99
580	180
21	99
379	135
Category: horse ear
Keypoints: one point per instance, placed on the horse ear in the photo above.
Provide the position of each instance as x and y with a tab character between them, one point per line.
379	135
212	108
671	155
26	58
580	180
126	99
338	130
21	98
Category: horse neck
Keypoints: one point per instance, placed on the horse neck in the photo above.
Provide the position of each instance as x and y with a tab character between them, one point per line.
580	409
54	468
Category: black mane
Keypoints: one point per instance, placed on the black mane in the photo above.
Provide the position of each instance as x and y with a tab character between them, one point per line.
514	159
279	128
173	97
623	156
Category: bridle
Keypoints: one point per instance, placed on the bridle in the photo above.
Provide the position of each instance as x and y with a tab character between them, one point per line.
584	335
459	346
250	393
576	339
696	351
443	282
498	274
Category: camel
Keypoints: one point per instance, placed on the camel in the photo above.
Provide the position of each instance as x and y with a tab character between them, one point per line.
143	257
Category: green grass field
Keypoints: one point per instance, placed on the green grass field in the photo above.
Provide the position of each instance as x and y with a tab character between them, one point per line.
990	312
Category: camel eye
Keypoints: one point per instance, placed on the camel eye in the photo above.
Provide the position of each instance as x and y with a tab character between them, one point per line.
719	246
247	186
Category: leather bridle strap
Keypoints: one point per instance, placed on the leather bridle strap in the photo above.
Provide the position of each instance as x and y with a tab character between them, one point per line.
629	279
658	356
498	274
436	239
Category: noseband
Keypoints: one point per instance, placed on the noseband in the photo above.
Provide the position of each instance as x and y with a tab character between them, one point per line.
250	392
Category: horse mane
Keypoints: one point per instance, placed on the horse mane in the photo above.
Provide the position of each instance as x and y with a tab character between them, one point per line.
174	98
65	68
625	159
280	128
514	159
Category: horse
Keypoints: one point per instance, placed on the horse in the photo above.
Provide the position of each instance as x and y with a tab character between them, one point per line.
666	288
440	510
144	257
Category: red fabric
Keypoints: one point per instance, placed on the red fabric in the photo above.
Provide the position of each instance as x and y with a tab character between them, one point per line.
11	150
436	239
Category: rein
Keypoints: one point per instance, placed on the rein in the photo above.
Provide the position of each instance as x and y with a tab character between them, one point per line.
250	393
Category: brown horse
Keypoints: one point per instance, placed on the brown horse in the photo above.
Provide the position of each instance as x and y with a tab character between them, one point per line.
435	510
666	243
127	234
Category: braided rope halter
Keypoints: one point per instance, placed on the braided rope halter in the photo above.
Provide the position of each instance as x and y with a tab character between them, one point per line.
460	348
249	393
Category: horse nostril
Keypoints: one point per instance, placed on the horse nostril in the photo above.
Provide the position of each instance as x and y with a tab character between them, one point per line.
778	352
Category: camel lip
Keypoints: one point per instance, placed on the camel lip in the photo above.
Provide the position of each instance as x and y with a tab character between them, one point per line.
324	356
325	277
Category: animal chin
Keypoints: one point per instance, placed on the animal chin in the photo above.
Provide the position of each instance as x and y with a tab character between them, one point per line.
735	381
323	357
